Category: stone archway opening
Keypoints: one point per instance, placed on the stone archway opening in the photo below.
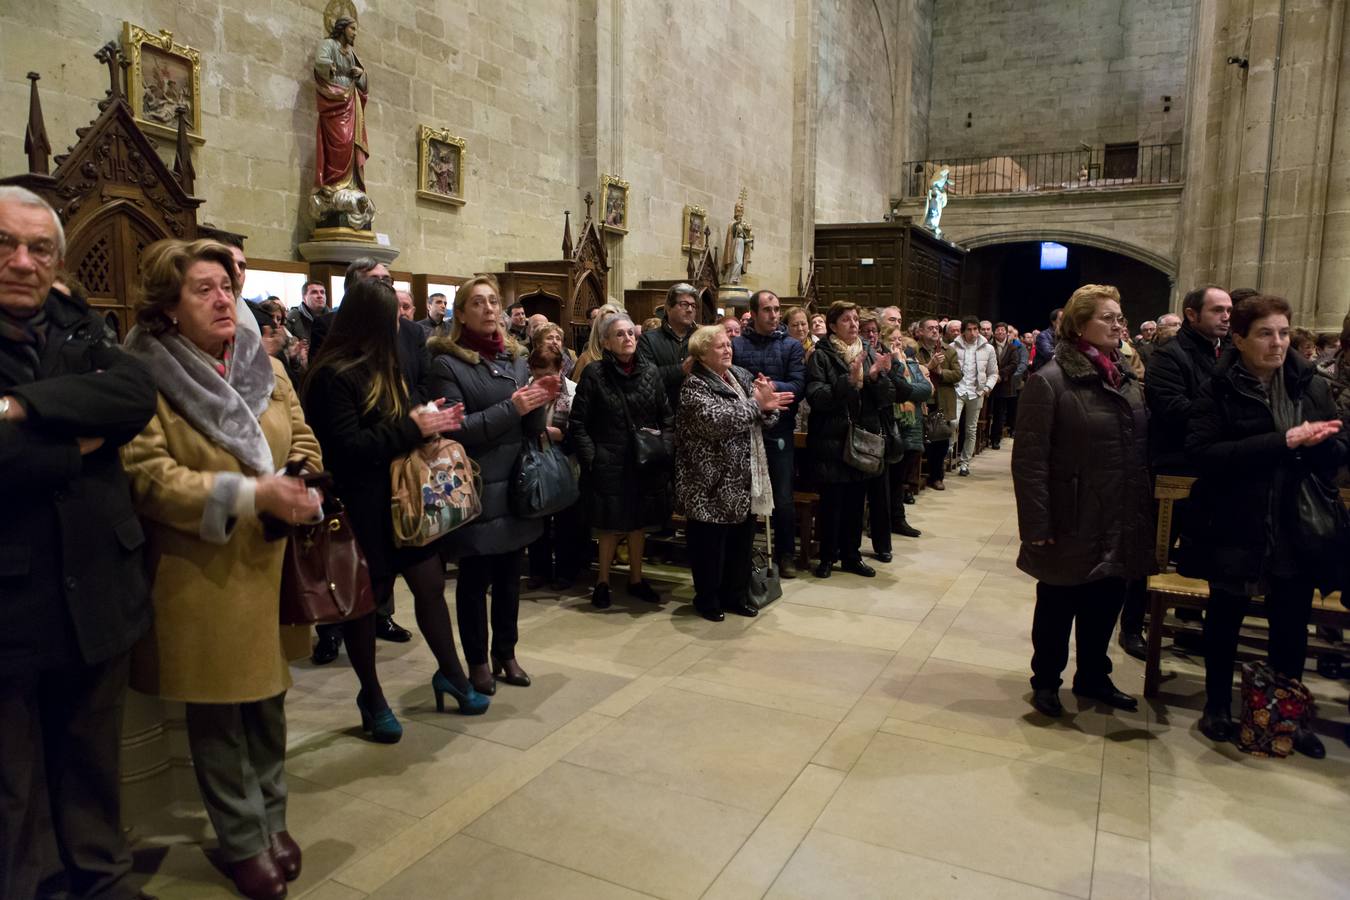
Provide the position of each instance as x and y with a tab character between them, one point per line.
1006	281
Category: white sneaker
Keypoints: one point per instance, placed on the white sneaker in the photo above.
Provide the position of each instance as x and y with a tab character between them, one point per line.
964	470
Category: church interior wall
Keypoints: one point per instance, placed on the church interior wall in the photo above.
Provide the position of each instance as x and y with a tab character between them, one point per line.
1047	75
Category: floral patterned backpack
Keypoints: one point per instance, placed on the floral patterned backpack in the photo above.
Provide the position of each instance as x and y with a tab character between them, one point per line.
1273	708
436	488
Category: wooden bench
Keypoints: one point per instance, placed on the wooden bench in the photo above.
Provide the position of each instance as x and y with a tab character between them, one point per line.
1168	590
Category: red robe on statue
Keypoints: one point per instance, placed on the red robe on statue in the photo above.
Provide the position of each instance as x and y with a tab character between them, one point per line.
341	150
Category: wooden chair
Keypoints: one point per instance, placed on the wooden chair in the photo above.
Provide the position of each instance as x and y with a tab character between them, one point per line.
1168	590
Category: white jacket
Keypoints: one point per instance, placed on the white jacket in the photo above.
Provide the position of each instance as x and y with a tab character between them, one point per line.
979	366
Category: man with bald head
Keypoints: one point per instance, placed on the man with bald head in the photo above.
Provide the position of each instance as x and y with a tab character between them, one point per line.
407	307
73	592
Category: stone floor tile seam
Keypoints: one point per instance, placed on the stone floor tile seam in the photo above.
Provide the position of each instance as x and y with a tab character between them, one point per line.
948	862
560	865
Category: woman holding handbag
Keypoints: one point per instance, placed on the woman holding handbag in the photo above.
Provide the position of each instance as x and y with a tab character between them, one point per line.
848	385
621	422
1268	440
482	366
722	470
201	475
557	555
358	403
904	474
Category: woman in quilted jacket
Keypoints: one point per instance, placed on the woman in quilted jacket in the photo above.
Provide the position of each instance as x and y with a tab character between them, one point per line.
721	470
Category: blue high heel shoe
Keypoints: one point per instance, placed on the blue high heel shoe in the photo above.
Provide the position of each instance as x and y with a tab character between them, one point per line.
382	726
471	703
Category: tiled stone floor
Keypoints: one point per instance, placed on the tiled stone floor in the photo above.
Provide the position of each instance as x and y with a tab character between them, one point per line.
858	739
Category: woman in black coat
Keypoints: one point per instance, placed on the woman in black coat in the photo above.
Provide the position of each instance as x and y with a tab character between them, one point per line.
1084	503
357	403
483	367
846	381
1261	425
617	395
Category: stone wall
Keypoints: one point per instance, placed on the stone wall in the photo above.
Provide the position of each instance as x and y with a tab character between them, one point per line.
502	75
1046	75
855	103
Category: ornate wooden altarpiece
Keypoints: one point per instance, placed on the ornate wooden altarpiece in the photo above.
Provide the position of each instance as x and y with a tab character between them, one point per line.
114	195
808	291
563	289
649	297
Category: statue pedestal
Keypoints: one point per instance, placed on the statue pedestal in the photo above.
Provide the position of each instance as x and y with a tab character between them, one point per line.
342	252
736	295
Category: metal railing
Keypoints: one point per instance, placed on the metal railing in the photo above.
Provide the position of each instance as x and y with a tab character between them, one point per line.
1114	166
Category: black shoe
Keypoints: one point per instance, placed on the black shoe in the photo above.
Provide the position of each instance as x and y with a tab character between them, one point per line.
786	567
1046	701
904	529
326	649
386	629
1108	693
822	570
909	498
1134	645
712	615
883	556
600	595
1309	744
643	591
741	609
993	446
562	585
858	567
535	582
1217	725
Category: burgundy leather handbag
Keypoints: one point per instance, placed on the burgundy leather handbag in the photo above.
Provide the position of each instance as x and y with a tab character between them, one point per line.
324	578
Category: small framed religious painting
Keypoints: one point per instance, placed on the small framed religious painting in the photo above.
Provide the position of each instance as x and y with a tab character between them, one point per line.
440	166
163	77
614	204
695	220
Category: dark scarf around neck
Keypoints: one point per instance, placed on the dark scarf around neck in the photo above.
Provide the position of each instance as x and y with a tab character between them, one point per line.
21	344
487	346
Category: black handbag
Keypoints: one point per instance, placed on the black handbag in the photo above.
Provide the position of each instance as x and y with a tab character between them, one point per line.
766	585
654	455
895	441
864	450
936	427
544	482
1322	526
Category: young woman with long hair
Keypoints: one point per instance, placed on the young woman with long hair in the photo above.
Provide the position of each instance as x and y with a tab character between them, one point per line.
358	405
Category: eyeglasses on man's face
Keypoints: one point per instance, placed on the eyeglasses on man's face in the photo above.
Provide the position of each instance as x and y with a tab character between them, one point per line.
42	251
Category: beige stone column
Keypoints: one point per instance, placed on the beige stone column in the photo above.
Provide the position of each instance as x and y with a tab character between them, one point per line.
1267	156
805	63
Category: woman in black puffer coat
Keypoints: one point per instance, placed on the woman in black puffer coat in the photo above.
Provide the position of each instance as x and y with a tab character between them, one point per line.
621	501
1261	425
845	381
480	365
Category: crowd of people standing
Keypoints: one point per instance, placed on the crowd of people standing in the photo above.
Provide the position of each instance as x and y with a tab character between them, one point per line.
151	480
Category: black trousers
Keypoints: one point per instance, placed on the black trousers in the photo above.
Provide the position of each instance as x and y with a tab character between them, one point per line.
1288	609
560	551
879	511
719	556
841	521
1136	602
501	573
781	457
67	722
1090	610
1003	413
936	454
905	476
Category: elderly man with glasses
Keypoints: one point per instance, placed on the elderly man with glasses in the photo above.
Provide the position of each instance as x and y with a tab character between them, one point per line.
73	592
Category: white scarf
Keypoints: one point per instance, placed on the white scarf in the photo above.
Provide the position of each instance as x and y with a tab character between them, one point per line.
761	490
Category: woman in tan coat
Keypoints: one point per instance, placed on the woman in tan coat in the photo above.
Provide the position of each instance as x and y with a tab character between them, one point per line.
201	474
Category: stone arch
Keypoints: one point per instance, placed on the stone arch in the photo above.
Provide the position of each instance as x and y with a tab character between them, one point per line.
1162	263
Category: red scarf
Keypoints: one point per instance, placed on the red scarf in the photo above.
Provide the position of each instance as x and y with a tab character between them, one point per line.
627	368
488	346
1104	364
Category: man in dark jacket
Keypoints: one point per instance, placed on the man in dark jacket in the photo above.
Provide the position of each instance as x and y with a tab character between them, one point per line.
765	349
667	347
1045	342
73	593
1174	376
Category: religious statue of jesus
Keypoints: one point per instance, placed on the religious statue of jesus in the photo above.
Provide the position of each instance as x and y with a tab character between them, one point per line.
341	149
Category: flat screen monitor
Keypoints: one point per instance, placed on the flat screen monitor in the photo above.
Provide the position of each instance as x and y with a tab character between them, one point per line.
1054	256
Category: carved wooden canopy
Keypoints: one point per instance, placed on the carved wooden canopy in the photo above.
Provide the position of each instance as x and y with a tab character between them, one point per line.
115	197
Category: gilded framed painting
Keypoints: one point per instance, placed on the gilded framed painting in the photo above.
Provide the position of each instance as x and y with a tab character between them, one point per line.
164	75
440	166
695	220
614	204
